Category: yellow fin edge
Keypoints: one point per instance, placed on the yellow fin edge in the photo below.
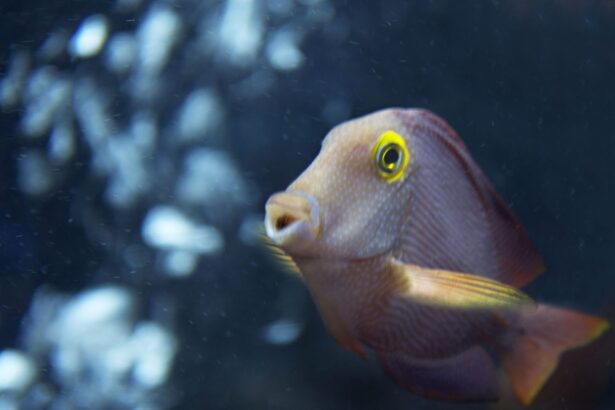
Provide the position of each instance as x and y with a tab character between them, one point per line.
458	290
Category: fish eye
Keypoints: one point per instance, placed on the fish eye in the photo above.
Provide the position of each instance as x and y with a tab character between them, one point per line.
391	156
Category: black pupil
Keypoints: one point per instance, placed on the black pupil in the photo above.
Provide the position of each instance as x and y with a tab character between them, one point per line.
391	156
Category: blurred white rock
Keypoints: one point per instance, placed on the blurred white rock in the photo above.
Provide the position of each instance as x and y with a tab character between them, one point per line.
12	83
53	46
90	37
283	50
121	51
87	330
199	115
282	332
280	7
240	31
154	349
17	371
47	94
211	179
34	174
180	263
127	168
91	108
167	228
156	36
100	356
62	142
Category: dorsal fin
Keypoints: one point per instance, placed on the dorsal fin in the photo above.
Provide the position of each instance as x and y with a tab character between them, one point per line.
456	220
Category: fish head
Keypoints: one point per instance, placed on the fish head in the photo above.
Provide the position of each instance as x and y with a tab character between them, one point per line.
352	199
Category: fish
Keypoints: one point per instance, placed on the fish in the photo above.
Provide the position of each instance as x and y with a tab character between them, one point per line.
410	253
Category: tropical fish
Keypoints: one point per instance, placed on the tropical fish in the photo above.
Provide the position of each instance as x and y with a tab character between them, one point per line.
407	250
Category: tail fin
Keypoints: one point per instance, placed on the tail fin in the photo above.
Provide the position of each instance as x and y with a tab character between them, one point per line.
545	334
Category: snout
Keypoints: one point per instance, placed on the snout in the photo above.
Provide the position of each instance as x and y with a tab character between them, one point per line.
292	220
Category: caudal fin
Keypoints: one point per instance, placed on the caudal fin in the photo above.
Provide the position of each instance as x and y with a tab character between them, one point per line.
545	334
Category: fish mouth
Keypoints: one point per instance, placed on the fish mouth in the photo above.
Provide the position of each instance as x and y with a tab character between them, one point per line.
292	220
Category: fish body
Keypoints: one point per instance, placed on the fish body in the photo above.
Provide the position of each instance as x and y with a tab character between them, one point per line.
408	250
361	304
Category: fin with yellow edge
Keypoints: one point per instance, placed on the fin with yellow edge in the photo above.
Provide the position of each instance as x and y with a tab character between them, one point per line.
544	335
281	259
455	290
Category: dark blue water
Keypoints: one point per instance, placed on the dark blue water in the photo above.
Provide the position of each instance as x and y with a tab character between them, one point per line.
140	140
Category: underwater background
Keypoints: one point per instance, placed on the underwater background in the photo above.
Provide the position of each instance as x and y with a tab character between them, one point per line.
140	139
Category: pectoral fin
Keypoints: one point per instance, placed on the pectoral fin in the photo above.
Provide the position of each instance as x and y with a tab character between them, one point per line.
455	290
282	260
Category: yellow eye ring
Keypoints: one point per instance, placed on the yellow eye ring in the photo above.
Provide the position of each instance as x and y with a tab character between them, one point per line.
391	156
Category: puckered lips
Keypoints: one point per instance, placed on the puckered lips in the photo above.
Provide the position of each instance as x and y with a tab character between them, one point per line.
292	220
